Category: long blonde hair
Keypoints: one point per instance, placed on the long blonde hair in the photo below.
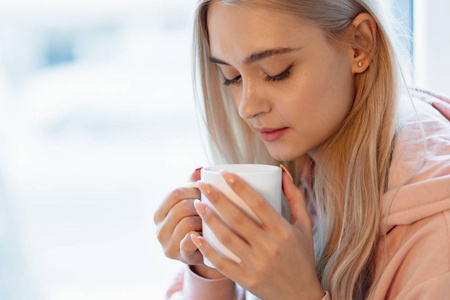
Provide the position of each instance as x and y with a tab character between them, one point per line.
351	167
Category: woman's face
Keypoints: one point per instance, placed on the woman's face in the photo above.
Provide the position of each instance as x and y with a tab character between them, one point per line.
287	81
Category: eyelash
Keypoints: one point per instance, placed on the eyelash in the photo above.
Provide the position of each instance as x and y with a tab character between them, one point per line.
283	75
228	82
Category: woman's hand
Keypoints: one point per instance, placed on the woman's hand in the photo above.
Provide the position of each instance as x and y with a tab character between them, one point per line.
277	257
176	220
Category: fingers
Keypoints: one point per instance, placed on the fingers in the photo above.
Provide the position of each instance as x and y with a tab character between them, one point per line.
255	201
295	198
186	225
176	219
241	223
172	199
226	266
187	246
227	236
181	219
189	251
182	209
171	241
195	176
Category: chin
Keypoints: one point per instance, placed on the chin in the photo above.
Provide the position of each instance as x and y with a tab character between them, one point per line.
287	152
284	155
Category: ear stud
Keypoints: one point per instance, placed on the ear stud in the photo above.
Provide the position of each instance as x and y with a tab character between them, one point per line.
360	64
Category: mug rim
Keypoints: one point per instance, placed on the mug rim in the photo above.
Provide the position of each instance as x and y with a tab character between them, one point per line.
246	168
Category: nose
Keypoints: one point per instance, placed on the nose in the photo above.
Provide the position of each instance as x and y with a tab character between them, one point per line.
253	102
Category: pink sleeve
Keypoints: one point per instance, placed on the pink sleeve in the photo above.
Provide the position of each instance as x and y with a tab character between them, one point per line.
190	286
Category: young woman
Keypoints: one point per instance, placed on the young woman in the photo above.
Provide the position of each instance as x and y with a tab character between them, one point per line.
314	85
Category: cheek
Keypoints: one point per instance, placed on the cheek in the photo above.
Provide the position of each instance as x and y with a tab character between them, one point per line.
332	87
236	95
319	101
306	96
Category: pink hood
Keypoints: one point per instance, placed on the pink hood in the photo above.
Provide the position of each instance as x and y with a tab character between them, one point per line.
414	260
419	178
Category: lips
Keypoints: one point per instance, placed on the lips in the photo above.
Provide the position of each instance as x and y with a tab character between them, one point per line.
272	134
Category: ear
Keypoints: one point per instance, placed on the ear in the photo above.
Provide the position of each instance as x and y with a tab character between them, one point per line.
363	38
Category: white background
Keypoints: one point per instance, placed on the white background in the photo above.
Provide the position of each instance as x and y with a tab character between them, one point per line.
89	147
432	44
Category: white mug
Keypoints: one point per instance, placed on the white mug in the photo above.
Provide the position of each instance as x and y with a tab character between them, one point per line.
265	179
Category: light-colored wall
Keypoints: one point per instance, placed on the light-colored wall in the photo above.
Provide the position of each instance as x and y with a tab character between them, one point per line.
432	44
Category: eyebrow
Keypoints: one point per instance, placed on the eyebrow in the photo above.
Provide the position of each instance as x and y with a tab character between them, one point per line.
257	56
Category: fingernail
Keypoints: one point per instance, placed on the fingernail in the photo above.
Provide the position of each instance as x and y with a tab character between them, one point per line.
287	172
196	241
200	207
198	169
230	178
204	187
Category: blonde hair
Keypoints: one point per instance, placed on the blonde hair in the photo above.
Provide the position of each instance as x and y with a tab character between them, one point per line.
351	167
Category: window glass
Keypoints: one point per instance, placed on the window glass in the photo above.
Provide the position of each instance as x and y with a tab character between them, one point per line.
97	125
432	45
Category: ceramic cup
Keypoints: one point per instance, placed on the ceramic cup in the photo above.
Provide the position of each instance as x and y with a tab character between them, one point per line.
265	179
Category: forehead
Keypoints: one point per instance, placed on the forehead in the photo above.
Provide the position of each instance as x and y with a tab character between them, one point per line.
242	30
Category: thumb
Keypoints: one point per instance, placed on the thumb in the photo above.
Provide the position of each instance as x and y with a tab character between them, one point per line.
195	176
295	198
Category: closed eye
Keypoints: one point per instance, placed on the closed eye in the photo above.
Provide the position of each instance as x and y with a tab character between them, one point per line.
228	82
283	75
